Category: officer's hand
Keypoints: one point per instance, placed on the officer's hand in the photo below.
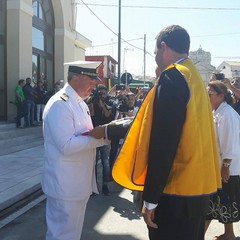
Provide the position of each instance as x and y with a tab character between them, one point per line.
225	174
98	132
148	216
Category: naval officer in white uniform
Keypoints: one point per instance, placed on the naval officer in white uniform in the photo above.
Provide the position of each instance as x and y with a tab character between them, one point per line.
68	176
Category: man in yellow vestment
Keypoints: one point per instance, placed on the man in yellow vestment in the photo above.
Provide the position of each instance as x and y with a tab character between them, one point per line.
182	157
170	151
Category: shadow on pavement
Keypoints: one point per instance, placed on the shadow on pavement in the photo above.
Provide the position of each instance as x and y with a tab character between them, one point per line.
110	217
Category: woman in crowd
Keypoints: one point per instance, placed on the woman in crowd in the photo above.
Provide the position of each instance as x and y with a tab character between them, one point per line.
225	205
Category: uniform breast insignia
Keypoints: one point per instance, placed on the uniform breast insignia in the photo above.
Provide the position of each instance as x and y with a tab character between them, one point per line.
64	97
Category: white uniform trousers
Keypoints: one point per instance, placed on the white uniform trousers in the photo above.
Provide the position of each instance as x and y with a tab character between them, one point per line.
65	218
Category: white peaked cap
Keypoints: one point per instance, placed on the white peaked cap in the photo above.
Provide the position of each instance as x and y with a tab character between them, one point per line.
85	68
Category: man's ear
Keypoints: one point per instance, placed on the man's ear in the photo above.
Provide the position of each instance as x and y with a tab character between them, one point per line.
163	46
222	96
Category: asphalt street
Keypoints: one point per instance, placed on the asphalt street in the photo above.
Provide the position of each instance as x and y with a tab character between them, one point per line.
107	217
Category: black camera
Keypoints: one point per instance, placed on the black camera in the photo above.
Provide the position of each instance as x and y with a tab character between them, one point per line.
122	104
220	76
95	96
120	87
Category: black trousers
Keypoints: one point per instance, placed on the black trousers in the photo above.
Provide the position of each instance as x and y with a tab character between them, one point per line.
21	112
179	218
113	151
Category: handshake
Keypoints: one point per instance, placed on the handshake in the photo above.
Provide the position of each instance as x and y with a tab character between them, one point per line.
116	129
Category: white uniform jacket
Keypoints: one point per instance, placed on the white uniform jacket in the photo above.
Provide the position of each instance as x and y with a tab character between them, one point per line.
69	156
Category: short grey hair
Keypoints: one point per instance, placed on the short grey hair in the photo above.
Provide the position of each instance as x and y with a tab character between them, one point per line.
70	76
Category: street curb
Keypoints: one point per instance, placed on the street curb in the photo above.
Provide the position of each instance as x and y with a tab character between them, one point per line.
17	194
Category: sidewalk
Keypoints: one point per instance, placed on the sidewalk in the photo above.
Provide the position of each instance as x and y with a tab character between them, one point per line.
20	175
107	216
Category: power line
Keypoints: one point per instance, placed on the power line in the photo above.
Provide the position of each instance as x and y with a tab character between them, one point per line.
160	7
107	44
229	57
208	35
217	34
153	7
86	5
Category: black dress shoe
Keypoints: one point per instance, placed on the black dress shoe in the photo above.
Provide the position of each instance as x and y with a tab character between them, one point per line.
105	190
93	194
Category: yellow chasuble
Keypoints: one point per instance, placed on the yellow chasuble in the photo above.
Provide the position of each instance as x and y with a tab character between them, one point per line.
195	169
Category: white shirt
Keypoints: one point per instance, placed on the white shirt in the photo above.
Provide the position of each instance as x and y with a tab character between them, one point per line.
69	156
135	110
227	128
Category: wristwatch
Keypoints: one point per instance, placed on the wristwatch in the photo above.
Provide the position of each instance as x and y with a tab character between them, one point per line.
226	164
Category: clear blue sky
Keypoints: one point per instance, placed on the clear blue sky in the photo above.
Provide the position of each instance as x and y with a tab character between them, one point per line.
212	24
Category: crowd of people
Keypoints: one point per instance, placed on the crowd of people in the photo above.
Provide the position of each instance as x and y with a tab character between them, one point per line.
106	106
31	99
190	167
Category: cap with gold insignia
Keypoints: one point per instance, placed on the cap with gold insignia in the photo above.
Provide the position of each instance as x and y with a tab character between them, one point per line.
87	68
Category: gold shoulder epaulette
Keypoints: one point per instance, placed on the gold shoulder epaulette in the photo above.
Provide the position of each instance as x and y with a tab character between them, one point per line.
64	97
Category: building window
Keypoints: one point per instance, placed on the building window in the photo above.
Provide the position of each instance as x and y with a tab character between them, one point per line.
38	39
37	9
43	41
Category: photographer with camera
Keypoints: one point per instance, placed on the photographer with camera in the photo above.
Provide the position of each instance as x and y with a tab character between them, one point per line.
126	105
124	109
101	114
114	95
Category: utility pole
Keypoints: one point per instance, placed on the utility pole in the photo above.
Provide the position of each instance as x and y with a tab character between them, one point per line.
144	61
119	41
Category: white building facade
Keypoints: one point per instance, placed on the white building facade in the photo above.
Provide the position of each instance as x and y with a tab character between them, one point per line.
202	61
36	38
231	69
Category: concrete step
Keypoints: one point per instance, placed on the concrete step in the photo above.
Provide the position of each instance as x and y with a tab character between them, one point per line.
14	140
5	126
19	139
17	132
19	147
